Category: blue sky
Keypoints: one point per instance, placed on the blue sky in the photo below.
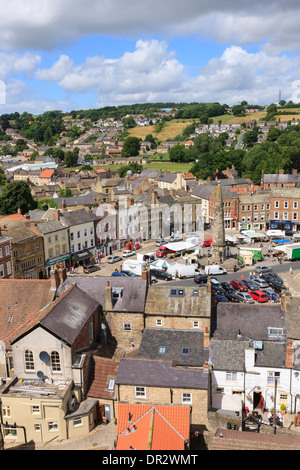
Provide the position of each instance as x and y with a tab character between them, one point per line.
78	55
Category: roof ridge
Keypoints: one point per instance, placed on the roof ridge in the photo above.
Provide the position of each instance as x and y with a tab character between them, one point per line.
49	306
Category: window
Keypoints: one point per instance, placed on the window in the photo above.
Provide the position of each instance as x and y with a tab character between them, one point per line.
195	324
37	427
85	232
77	421
78	234
195	293
7	250
185	351
275	331
79	246
52	426
295	215
286	204
8	267
140	392
271	378
111	385
35	409
162	350
295	205
71	236
186	398
277	204
91	332
55	361
177	292
49	240
1	253
126	326
1	270
276	215
6	412
29	362
230	376
158	322
285	216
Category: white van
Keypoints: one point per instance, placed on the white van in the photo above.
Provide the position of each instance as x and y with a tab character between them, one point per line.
214	270
181	271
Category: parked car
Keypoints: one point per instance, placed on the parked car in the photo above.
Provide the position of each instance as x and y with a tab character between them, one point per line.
228	287
221	298
160	274
232	297
207	242
258	295
114	259
269	277
119	273
200	279
218	288
262	269
276	286
271	294
239	285
250	284
261	283
245	297
91	268
128	273
160	242
127	253
175	238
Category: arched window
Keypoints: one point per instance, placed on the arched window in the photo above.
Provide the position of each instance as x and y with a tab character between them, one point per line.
55	361
29	362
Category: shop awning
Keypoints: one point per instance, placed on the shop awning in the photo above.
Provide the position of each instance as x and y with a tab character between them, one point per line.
83	255
58	259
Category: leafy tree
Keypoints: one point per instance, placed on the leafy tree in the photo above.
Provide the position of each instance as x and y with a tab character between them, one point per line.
16	195
134	167
238	110
178	153
131	147
65	192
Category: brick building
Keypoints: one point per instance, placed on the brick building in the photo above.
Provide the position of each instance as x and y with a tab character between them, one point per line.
285	209
5	256
254	210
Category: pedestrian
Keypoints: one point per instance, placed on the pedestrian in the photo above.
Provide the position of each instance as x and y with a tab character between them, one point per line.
272	298
270	417
250	275
291	270
242	277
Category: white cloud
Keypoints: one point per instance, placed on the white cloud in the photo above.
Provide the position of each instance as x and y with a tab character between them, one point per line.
41	24
14	63
62	67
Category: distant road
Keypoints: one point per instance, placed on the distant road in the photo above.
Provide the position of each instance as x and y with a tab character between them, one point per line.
276	267
239	144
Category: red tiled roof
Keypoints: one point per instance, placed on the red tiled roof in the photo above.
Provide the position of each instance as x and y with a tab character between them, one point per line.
102	371
20	300
46	174
153	427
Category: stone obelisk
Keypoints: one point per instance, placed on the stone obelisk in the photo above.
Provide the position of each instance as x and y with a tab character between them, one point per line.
218	237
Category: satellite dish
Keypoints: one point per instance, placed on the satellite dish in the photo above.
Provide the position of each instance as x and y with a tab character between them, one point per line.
40	374
44	356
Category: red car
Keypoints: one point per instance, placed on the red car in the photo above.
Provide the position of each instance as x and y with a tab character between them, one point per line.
238	285
207	242
258	295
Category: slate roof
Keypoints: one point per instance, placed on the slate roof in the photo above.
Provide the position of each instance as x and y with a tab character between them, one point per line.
250	321
281	178
141	372
49	227
167	177
77	217
134	291
229	354
174	341
77	200
65	317
20	299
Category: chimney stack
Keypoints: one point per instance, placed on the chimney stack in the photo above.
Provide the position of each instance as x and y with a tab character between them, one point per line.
206	338
55	280
108	304
289	356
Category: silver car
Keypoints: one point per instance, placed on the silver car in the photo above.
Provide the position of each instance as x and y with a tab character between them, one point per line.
245	297
114	259
261	283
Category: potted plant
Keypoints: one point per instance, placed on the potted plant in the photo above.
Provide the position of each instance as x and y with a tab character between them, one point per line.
282	409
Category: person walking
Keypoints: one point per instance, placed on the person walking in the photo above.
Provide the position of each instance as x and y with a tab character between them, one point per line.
291	270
